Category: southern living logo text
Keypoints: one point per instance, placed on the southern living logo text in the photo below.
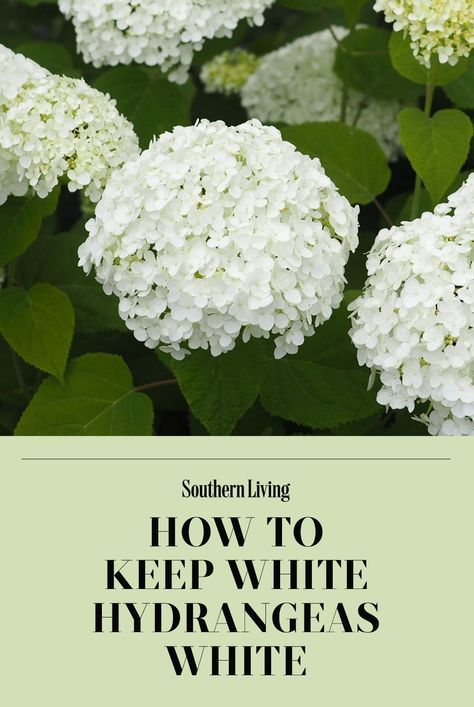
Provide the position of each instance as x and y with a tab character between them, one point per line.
248	632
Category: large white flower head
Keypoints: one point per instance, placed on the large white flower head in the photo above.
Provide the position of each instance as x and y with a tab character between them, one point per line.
16	72
217	232
297	84
164	33
54	127
436	27
227	72
414	323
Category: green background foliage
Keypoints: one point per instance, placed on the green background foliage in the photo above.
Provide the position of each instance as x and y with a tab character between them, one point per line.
68	365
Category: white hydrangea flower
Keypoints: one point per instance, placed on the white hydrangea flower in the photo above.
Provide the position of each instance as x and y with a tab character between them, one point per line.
414	323
165	33
217	232
227	72
297	84
54	127
442	27
16	71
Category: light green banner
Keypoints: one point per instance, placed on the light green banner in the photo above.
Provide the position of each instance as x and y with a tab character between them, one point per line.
382	524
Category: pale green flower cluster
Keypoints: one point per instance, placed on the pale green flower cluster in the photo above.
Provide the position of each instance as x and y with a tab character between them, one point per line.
435	27
229	71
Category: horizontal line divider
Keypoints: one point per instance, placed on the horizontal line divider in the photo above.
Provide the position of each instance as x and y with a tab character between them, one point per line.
220	459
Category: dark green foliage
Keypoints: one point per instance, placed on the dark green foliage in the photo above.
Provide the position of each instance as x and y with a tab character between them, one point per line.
68	365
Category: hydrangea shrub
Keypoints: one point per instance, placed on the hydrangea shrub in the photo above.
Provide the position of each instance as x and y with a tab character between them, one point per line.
242	217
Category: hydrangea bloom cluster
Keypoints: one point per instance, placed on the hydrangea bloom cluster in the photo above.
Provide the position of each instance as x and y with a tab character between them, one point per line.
297	84
54	126
217	232
227	72
414	324
164	33
442	27
16	72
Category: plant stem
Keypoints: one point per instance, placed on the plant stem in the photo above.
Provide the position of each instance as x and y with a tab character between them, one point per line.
154	384
360	109
430	90
333	34
382	211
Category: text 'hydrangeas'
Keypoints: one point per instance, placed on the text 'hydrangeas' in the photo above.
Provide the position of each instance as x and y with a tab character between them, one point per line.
55	126
163	33
414	324
216	232
297	84
436	27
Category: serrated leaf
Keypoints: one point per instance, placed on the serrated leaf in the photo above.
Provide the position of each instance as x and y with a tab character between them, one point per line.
317	396
351	157
20	222
152	104
97	399
405	63
437	147
220	389
38	324
53	259
324	386
461	91
363	62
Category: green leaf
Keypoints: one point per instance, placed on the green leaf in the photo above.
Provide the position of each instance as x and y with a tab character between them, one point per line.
363	62
220	389
405	63
97	399
437	147
324	386
94	310
53	56
400	207
461	91
153	104
20	222
330	345
38	324
16	380
315	395
351	157
352	8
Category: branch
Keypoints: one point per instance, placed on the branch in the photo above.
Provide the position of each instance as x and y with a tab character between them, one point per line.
154	384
